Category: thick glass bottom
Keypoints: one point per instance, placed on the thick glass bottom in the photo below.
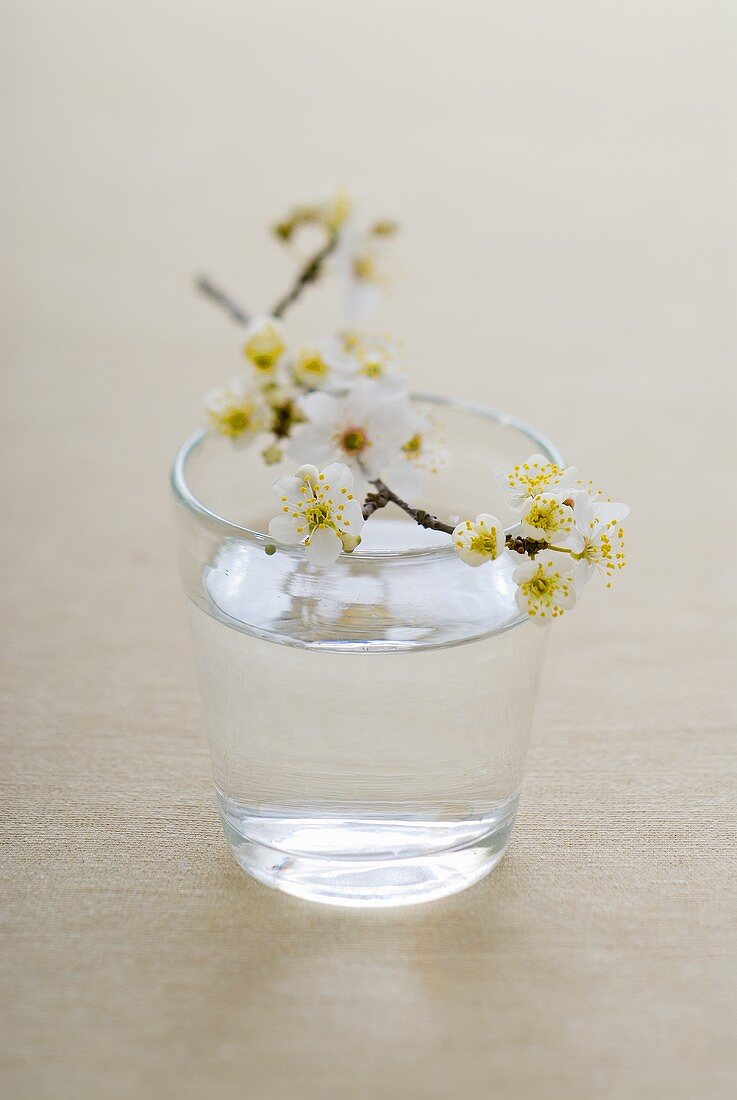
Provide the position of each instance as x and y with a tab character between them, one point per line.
374	862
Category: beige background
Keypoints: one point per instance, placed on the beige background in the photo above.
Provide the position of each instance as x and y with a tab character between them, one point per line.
565	173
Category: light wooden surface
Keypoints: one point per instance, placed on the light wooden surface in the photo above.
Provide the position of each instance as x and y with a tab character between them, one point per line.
565	173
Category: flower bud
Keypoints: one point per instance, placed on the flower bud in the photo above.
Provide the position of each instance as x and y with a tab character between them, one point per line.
350	542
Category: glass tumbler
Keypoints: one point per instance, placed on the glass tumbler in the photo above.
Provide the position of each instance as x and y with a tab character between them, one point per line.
368	722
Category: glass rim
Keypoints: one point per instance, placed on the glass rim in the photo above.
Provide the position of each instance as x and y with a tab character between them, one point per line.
184	495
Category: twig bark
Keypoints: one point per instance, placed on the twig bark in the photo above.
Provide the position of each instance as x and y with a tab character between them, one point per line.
218	296
384	495
308	274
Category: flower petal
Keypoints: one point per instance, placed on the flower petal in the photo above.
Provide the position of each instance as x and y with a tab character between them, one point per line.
284	529
392	422
338	476
287	486
359	404
311	444
582	574
324	547
322	410
360	480
605	511
307	471
524	572
362	299
351	518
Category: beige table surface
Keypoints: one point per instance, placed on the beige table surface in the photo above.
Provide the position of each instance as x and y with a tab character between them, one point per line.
565	173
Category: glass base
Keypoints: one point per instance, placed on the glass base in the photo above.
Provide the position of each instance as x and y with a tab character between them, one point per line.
374	863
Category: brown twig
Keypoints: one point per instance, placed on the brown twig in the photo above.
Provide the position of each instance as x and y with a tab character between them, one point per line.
308	274
384	495
216	295
521	545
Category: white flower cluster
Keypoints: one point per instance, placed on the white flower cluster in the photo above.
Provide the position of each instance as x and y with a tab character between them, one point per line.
319	509
344	399
340	407
339	399
578	534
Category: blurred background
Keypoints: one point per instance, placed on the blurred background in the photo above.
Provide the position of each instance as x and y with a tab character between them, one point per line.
565	178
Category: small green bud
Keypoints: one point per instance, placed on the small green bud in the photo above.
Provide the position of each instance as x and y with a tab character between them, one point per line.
269	549
385	228
283	230
350	542
271	455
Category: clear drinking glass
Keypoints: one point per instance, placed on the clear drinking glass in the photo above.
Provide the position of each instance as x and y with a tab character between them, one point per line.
368	722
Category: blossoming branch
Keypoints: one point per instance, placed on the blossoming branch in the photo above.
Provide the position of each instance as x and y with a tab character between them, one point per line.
339	406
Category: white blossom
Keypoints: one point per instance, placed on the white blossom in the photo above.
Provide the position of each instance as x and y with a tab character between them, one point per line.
423	453
379	362
319	509
237	411
545	586
364	259
341	407
600	526
480	540
363	429
545	518
533	477
265	346
312	368
341	348
356	357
